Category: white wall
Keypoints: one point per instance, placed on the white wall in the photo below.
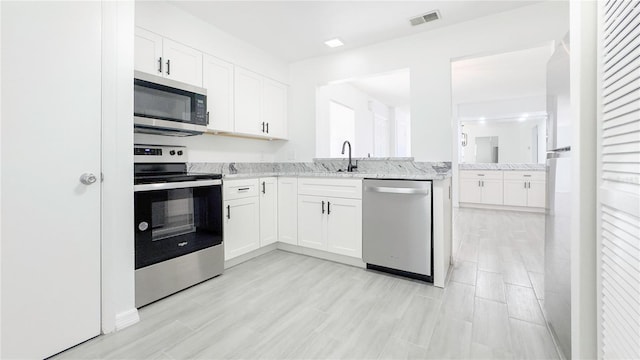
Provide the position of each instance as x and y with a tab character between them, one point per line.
429	56
172	22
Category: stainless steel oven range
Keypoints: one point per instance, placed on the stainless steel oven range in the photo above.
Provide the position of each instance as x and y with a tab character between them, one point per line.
178	223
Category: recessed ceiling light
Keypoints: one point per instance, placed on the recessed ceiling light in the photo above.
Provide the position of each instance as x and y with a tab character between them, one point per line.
334	43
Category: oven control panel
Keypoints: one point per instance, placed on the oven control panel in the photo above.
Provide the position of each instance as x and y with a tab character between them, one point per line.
143	153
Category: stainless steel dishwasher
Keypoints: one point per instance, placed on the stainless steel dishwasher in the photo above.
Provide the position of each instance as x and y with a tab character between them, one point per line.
396	231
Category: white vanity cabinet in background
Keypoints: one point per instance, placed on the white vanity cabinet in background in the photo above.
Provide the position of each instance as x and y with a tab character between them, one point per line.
481	187
160	56
241	217
330	215
524	188
260	105
217	78
268	188
288	210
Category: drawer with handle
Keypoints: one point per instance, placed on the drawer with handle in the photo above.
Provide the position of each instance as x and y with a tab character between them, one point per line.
525	175
481	175
241	188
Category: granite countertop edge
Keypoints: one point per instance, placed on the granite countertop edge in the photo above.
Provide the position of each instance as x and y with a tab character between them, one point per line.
503	167
342	175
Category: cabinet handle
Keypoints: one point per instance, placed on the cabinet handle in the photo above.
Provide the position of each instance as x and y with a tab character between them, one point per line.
228	211
525	184
267	128
480	174
207	118
160	64
478	183
323	207
264	188
482	181
329	208
263	126
528	184
243	189
168	66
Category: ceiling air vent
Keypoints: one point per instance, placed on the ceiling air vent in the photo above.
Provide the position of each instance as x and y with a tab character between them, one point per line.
425	18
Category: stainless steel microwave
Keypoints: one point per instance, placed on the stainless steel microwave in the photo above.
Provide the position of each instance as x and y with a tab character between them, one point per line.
168	107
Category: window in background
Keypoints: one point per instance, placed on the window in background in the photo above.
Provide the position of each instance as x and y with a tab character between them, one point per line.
341	127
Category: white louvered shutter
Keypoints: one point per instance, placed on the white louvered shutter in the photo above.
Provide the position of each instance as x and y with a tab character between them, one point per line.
620	181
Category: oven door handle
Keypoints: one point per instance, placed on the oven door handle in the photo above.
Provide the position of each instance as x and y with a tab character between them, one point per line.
176	185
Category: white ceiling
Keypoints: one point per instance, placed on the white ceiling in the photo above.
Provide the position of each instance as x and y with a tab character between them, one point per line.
296	30
517	74
393	88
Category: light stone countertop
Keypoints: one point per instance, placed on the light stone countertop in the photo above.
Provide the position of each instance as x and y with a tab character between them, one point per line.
503	167
376	169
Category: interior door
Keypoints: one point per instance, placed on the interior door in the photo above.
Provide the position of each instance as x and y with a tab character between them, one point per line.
51	129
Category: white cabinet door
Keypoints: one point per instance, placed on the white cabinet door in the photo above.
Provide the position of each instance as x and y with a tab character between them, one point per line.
536	194
515	193
182	63
217	78
247	100
51	229
288	210
470	191
274	108
492	191
344	226
312	222
241	226
268	211
148	52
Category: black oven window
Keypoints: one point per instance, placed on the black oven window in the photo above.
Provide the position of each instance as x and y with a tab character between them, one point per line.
171	223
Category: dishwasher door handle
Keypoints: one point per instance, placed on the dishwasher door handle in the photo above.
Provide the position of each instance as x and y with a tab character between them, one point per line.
393	190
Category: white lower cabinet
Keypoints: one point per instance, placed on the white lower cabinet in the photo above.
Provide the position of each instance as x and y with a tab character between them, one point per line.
481	187
288	210
241	226
328	223
268	188
524	188
312	222
344	226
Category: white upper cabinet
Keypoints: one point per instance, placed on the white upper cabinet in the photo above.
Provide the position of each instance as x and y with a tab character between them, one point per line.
148	52
260	105
182	63
248	99
217	78
163	57
274	108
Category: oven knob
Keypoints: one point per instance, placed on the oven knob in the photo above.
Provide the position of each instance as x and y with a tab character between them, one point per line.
179	152
172	152
143	226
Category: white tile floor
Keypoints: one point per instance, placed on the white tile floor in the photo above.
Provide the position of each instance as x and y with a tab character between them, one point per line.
288	306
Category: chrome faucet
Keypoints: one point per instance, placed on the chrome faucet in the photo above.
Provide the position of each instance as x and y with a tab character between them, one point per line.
350	167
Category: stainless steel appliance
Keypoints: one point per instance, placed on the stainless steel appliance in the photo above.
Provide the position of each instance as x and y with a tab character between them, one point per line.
168	107
557	277
397	232
178	223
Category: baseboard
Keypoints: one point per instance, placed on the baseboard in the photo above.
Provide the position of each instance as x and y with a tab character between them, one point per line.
126	319
248	256
503	207
322	255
